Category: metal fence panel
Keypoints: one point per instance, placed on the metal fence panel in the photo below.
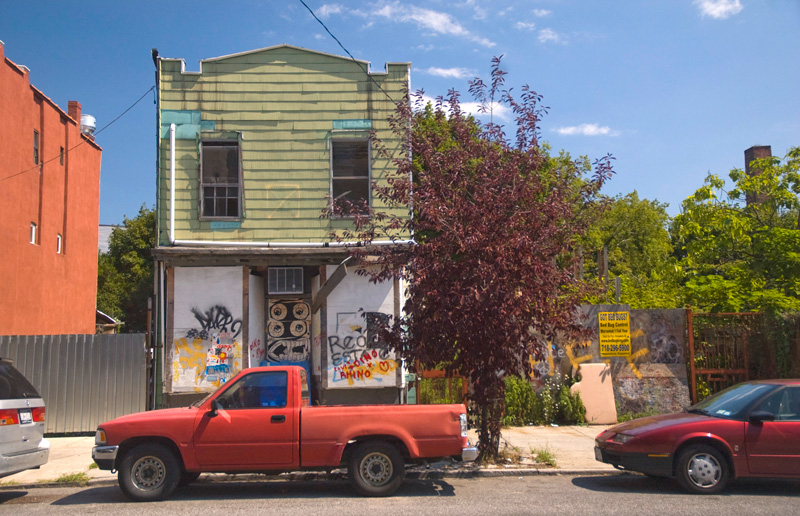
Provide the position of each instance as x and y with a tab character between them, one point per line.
84	379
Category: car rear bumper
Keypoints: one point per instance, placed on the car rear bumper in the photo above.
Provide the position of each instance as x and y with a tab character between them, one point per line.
651	464
105	456
29	459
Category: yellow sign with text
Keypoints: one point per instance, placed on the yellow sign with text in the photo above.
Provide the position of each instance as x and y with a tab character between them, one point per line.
615	334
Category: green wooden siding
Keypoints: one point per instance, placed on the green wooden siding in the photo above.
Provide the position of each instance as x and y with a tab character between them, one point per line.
284	101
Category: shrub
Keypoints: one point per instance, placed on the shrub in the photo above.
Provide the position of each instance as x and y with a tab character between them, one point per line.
552	404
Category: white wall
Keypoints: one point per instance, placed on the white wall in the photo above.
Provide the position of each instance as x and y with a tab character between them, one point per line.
207	327
257	320
352	360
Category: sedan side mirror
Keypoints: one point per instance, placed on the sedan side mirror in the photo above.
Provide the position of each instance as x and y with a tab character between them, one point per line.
759	416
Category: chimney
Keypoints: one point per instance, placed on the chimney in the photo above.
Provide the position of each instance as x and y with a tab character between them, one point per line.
753	153
74	110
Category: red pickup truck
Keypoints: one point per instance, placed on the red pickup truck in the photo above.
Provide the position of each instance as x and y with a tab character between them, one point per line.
261	422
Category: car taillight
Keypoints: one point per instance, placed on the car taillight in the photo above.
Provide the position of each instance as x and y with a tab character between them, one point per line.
38	414
9	417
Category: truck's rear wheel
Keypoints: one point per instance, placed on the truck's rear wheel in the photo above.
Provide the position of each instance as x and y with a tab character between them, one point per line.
376	468
149	472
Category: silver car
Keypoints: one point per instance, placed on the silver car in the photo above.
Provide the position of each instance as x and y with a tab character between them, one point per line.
22	412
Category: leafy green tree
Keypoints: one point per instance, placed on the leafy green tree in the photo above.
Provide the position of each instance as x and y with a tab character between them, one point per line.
490	278
125	273
636	236
741	255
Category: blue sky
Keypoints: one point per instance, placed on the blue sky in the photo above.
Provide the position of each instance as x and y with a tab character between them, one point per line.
674	89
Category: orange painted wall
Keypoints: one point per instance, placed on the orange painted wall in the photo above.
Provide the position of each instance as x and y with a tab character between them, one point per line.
43	292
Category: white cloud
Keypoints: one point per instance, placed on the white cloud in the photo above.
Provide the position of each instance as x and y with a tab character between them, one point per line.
499	111
549	36
719	9
329	9
540	13
438	22
587	130
525	26
457	73
319	36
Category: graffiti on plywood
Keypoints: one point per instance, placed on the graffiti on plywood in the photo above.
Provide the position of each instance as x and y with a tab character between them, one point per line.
288	331
219	319
357	356
205	357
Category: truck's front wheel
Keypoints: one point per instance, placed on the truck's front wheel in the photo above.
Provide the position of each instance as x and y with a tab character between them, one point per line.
149	472
376	469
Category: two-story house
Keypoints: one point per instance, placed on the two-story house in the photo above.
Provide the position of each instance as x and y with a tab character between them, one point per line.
251	148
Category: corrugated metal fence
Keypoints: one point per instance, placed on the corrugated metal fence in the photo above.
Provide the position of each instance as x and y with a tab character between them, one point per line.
84	379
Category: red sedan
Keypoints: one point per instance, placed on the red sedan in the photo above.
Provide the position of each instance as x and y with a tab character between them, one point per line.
749	430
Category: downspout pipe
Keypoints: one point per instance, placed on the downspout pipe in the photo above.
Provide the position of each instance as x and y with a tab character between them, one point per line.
172	184
220	243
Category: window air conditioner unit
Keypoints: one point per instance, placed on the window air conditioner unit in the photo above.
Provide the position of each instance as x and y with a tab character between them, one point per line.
285	280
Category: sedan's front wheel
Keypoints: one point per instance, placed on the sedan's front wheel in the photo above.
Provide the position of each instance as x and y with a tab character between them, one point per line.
702	469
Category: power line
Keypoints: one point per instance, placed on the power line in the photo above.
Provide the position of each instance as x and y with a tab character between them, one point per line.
43	163
347	51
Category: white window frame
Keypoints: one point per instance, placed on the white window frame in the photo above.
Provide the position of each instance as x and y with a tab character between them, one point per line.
59	242
368	142
33	233
220	142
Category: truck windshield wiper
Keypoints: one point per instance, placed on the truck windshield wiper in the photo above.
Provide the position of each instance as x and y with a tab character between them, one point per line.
699	411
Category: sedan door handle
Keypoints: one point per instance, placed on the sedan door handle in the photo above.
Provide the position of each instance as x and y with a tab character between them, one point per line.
277	419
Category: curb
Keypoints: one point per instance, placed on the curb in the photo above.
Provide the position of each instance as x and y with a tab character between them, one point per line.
434	474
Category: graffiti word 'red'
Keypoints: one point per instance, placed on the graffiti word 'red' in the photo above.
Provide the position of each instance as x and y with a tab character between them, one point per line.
218	318
349	347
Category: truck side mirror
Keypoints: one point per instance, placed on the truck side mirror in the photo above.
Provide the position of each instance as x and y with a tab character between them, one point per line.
759	416
215	406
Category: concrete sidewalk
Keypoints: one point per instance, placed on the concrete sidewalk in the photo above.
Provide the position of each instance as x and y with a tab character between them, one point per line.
572	447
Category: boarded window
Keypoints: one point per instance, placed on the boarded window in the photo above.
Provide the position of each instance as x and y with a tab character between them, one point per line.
350	172
220	179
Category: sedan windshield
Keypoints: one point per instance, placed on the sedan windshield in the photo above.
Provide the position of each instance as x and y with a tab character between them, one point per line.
733	401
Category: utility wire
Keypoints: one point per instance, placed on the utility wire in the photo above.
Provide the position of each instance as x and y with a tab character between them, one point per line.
43	163
347	51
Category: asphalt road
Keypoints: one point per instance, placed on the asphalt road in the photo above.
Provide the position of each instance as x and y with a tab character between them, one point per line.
541	495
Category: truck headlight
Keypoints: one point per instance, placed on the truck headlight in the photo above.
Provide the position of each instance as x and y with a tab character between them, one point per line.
100	437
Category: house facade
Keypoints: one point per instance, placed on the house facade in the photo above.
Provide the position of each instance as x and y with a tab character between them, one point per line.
50	177
251	149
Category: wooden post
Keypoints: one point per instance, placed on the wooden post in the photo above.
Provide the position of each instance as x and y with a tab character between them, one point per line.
692	377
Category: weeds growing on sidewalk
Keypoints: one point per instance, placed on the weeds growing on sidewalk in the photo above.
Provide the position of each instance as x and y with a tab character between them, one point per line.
73	478
544	456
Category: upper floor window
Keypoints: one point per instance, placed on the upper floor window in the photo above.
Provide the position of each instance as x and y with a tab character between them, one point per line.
36	147
61	156
220	179
33	232
59	242
350	172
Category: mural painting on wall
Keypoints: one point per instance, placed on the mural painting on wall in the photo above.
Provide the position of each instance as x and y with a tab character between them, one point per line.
356	354
207	355
288	331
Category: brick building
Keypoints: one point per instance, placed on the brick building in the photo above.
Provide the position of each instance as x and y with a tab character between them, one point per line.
50	178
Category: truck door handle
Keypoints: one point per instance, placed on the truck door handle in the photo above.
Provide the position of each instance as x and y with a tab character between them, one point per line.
277	419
